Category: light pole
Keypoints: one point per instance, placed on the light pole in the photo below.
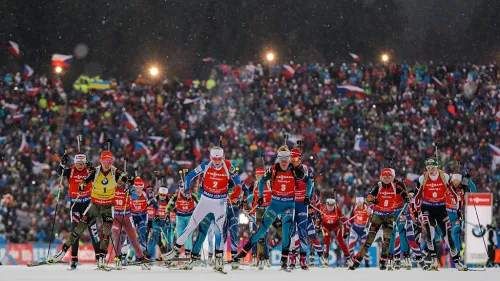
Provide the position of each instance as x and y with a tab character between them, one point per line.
270	59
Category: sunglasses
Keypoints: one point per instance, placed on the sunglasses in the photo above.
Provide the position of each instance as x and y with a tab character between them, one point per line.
283	159
107	162
79	163
216	158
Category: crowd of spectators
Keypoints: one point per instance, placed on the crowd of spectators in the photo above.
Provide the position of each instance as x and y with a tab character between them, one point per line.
347	139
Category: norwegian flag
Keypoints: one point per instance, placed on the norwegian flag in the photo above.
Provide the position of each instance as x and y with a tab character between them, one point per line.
354	56
13	47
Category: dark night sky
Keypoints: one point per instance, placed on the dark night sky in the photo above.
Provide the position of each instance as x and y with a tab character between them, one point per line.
124	36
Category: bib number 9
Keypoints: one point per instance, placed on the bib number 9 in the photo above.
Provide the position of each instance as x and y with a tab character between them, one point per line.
386	203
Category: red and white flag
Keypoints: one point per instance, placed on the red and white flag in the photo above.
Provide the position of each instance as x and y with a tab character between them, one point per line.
13	47
354	56
24	145
197	150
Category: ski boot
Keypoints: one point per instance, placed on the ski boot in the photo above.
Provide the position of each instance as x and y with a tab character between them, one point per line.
303	262
367	263
383	263
255	261
143	266
59	256
284	263
211	262
219	260
390	264
234	266
458	264
323	258
311	261
172	253
397	264
293	260
118	261
434	264
355	263
348	262
73	263
195	261
419	260
101	262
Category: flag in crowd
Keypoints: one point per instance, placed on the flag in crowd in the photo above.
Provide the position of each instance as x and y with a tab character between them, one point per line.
208	59
359	143
156	139
128	121
197	149
28	71
354	56
61	60
13	47
141	148
24	144
9	106
347	91
288	71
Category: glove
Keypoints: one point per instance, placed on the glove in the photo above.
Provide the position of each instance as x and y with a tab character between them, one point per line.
375	201
260	201
129	189
346	233
90	166
467	175
150	224
307	202
81	186
64	159
157	219
239	205
459	215
130	180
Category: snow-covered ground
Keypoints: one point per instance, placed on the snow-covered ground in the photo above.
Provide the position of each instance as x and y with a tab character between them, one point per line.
87	273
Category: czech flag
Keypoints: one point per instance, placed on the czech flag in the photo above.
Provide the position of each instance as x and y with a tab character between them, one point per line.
128	121
347	91
156	139
13	47
24	145
34	91
157	157
61	60
197	150
359	143
28	71
354	56
141	148
185	163
494	150
288	71
18	117
10	106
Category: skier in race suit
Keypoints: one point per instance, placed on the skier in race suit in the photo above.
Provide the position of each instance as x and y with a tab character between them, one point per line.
140	212
183	203
218	178
231	225
383	196
104	180
358	228
300	220
80	199
431	202
455	207
284	177
122	220
333	224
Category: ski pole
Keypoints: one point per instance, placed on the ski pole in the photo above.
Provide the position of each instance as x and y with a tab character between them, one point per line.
480	227
55	212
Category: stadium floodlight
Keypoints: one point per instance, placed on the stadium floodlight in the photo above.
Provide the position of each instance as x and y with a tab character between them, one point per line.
153	71
270	57
385	58
58	69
